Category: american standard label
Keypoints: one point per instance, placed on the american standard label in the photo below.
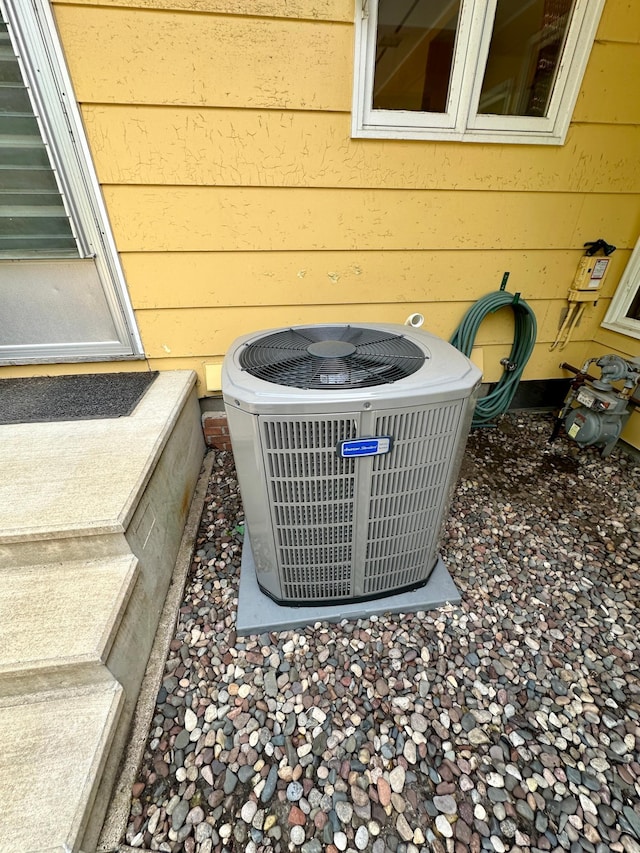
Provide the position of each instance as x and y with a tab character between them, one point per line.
365	446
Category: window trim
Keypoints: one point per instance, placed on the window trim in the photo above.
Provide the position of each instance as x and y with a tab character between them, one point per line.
462	122
35	38
615	319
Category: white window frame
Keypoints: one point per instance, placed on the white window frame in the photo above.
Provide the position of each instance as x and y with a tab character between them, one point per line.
35	40
615	318
461	121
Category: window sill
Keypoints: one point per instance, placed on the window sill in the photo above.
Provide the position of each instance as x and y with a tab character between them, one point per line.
441	135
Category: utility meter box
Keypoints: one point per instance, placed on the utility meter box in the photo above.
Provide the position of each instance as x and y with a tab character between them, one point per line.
591	273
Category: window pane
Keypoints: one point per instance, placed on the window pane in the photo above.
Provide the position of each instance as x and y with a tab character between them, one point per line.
32	215
634	309
524	55
414	54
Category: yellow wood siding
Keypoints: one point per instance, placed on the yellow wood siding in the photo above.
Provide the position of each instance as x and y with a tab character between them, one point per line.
159	279
232	147
328	10
206	59
605	96
620	22
188	331
275	219
220	131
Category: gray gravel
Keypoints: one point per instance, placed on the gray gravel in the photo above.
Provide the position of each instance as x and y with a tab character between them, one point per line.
508	723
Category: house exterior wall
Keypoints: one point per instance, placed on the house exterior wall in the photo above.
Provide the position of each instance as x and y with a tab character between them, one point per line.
220	131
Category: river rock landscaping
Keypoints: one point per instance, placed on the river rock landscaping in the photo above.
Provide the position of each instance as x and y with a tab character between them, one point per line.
508	723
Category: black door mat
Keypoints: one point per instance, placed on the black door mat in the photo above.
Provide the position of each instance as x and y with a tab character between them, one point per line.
42	399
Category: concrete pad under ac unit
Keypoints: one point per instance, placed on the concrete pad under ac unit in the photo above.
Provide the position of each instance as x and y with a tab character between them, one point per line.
257	612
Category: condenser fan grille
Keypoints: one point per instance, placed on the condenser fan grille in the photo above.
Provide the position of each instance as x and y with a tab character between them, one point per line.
331	356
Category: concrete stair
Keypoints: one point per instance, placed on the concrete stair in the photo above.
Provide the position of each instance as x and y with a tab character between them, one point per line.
91	517
54	748
76	621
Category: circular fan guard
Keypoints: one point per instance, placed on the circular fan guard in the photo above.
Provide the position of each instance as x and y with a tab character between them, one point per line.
329	357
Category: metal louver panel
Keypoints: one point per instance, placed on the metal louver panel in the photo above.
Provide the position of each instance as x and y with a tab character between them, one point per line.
312	491
33	219
329	547
408	492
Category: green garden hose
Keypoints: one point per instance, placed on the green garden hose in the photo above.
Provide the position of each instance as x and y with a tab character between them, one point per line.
499	398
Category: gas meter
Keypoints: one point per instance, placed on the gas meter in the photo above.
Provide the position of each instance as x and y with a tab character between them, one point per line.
594	411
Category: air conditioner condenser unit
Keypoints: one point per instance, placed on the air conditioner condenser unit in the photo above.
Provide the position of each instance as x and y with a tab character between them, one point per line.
347	441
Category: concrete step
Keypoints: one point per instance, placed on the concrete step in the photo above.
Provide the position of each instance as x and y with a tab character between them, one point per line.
54	745
91	518
62	614
71	479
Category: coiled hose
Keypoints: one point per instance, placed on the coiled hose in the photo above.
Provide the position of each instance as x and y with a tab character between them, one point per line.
499	398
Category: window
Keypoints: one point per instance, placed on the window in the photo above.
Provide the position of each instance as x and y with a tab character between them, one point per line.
34	221
62	291
479	70
624	312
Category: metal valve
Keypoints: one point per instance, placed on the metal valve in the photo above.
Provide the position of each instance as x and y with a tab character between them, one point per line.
614	368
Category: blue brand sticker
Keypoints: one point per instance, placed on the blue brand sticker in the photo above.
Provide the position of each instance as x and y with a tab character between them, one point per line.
365	446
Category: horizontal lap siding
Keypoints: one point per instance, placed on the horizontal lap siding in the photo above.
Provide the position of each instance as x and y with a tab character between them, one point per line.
610	85
188	331
267	219
164	280
221	135
620	22
233	147
326	10
135	56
